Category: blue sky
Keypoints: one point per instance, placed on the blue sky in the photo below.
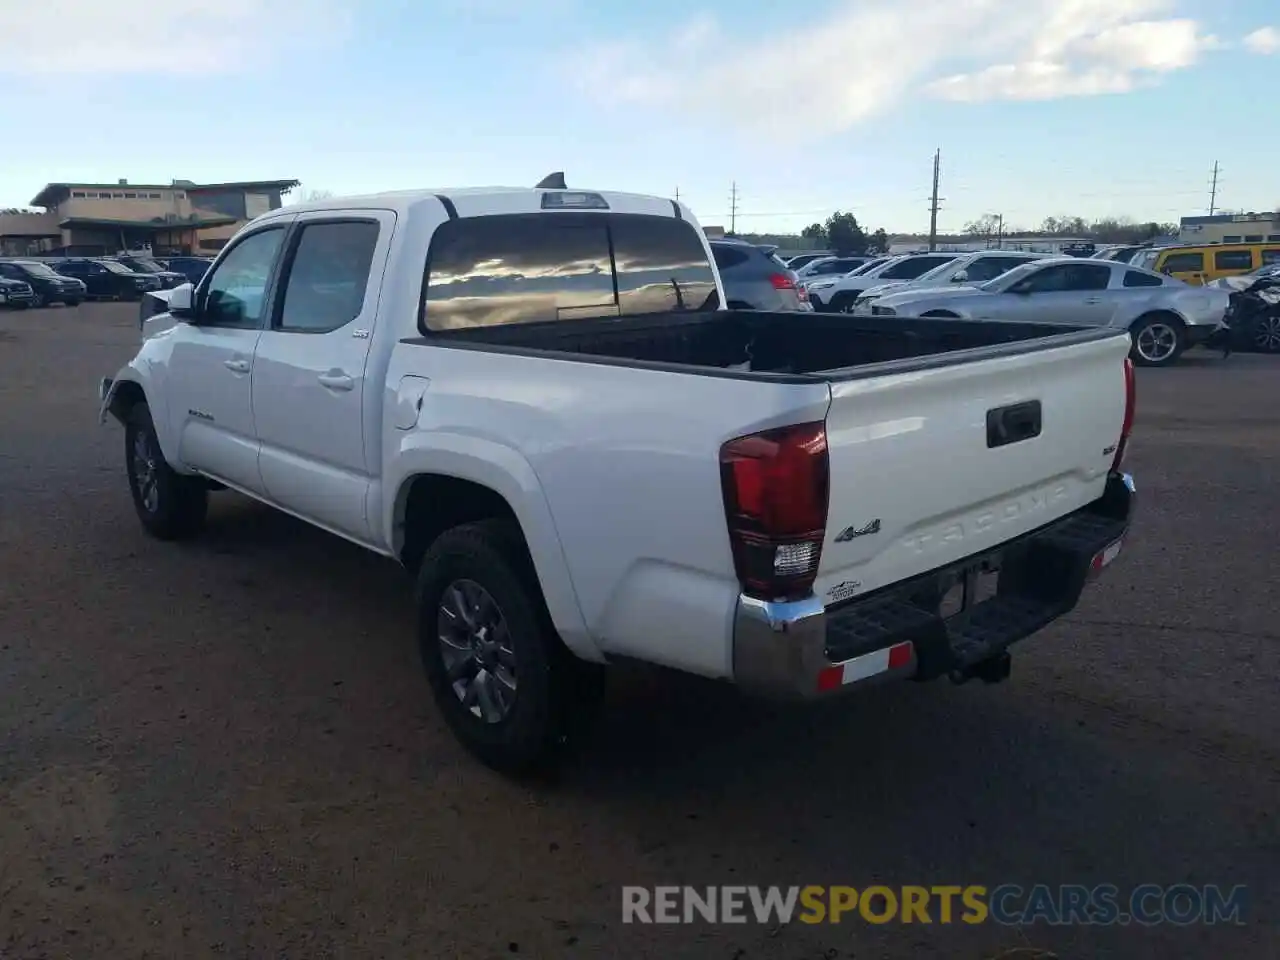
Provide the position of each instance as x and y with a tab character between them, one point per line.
1040	107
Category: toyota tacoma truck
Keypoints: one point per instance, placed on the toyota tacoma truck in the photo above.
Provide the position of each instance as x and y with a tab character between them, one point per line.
533	399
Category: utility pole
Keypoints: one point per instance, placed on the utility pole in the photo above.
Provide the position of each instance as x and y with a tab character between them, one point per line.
733	209
677	194
1213	189
999	231
933	206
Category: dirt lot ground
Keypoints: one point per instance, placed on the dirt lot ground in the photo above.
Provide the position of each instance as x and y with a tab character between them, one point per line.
226	748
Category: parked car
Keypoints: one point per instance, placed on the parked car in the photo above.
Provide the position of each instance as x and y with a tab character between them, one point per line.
862	270
1254	314
972	269
108	280
581	461
1207	262
804	259
193	268
1121	253
168	278
829	267
838	294
1164	316
15	294
754	280
47	285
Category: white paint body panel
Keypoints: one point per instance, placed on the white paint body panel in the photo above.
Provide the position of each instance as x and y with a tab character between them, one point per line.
613	471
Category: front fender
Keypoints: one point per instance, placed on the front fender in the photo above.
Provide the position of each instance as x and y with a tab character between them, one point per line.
137	373
506	472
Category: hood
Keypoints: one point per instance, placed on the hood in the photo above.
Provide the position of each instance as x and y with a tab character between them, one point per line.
936	294
1232	284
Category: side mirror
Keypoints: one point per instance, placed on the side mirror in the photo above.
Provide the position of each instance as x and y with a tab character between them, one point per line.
182	301
1021	289
961	277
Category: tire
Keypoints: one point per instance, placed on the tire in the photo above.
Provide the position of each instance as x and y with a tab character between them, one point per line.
37	300
842	302
1158	340
1265	336
72	303
519	706
171	506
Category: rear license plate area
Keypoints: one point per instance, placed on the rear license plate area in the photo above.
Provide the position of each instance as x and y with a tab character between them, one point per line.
961	590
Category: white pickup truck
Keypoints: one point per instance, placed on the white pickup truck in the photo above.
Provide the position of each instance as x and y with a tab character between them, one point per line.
530	398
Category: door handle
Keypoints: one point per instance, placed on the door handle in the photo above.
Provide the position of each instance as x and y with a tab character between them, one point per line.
236	366
1092	299
336	380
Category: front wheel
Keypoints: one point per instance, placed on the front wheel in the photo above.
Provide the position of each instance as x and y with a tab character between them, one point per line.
37	300
1266	335
1158	341
171	506
72	303
510	691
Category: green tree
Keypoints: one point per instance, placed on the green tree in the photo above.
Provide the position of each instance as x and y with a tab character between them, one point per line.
879	242
816	234
844	235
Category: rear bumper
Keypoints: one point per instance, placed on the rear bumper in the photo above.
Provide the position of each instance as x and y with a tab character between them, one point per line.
802	650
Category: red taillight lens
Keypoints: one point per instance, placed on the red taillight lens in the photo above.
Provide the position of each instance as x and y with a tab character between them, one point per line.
1130	405
782	281
775	487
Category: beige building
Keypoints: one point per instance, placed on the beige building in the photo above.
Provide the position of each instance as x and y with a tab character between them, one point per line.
1231	228
181	217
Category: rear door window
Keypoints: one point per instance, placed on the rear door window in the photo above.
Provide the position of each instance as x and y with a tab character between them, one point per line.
1133	278
1183	263
1233	259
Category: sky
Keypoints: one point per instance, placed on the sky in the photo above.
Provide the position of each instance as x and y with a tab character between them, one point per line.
1090	108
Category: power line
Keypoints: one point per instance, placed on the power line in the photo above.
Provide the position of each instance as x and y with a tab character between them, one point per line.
1213	189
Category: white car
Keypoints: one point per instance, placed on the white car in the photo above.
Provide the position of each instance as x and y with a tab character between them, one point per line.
972	269
528	398
829	267
839	295
1165	316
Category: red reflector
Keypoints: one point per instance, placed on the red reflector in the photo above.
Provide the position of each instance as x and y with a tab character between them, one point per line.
782	281
831	678
1130	408
899	655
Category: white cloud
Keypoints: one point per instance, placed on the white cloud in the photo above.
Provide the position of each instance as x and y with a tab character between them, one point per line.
1265	40
173	37
866	56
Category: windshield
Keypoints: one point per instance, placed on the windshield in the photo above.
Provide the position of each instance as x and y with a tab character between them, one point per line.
909	268
115	267
1010	277
143	266
38	269
940	271
868	267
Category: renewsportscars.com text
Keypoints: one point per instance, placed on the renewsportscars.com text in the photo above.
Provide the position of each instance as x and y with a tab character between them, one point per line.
1009	904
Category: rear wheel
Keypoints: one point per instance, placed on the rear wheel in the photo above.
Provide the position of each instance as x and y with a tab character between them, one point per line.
171	506
509	690
1158	340
843	302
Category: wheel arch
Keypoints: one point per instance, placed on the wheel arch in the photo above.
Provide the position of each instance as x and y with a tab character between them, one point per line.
443	489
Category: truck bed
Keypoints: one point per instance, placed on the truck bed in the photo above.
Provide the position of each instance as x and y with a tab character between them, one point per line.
788	346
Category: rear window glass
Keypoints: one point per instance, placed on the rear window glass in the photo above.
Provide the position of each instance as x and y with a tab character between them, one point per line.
534	268
727	257
1132	278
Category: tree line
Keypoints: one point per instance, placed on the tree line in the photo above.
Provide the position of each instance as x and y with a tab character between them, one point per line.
1106	230
841	232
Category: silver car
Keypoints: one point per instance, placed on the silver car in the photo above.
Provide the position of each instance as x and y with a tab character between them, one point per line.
1165	316
973	269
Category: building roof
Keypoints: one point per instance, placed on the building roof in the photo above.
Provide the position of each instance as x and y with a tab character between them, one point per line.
1230	218
47	197
71	222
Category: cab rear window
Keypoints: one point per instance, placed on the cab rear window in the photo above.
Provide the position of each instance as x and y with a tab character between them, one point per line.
538	268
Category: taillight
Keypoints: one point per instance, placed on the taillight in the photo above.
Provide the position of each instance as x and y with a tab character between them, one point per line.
775	487
782	281
1130	404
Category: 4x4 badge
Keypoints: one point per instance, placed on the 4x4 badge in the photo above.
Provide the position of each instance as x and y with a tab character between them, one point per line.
852	533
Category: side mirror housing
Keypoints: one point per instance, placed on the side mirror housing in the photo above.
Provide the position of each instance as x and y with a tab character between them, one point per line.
182	301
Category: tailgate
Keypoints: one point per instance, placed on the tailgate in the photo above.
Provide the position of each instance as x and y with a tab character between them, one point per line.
931	466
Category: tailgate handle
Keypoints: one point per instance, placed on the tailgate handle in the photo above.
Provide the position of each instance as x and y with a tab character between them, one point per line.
1013	424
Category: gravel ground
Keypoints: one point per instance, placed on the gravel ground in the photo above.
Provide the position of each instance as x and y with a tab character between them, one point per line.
226	748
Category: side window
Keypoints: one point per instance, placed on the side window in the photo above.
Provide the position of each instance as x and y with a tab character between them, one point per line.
234	293
1183	263
10	271
727	256
1270	256
1233	259
988	268
517	268
661	265
1088	276
1132	278
328	275
1053	279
